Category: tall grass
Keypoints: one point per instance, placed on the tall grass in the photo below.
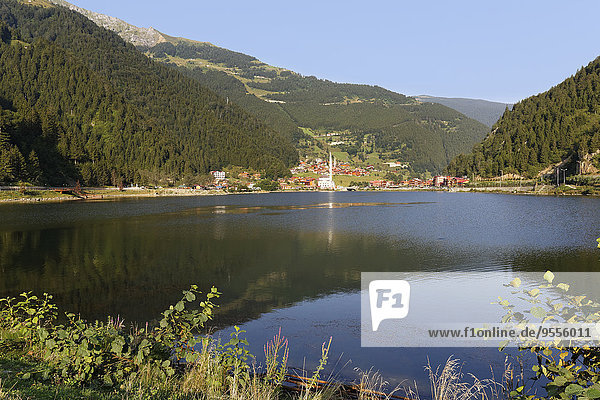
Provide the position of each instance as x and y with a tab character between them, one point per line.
208	379
59	355
372	384
448	383
8	394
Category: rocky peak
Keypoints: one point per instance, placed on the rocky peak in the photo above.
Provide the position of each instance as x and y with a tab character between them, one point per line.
146	37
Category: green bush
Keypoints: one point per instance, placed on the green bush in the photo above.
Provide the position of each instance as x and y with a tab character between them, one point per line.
584	180
571	372
80	351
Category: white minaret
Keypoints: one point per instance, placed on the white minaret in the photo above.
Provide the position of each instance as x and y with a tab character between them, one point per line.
326	181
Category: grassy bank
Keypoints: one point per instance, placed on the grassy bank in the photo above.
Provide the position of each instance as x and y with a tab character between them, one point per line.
200	381
31	195
169	359
40	359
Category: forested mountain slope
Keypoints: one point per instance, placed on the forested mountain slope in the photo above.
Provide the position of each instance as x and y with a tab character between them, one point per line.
373	123
425	136
562	124
91	106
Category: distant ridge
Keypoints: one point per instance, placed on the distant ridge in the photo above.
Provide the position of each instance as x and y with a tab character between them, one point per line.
485	111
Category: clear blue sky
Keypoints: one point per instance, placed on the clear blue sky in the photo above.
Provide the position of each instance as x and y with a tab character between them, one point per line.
497	50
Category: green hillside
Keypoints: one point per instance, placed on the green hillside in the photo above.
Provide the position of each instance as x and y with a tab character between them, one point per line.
371	125
560	126
234	90
80	103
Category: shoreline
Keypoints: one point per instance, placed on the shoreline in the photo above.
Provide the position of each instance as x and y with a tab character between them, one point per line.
97	194
106	194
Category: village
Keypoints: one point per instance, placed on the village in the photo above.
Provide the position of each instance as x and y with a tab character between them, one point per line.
319	174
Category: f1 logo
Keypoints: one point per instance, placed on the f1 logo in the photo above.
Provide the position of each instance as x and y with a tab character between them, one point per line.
389	299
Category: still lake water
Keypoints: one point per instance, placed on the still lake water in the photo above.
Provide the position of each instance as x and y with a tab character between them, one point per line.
290	260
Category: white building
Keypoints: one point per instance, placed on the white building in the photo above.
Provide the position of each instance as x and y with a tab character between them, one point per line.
218	174
397	164
326	182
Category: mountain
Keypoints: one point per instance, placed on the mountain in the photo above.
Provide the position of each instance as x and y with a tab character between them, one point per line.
560	127
80	103
370	124
484	111
367	124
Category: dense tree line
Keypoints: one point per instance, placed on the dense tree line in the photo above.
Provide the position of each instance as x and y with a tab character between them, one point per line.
234	90
259	72
81	129
81	98
205	51
298	88
541	130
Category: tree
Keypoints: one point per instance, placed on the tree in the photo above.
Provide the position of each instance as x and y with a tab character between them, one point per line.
390	176
268	185
34	171
6	170
4	140
5	34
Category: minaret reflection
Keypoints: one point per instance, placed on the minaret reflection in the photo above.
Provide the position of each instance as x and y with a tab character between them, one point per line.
330	219
218	222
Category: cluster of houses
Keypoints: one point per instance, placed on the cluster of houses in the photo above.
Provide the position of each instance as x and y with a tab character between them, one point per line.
222	182
437	181
449	181
298	183
323	183
319	166
327	170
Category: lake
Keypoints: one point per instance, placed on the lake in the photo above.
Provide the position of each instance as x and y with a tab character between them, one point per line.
289	260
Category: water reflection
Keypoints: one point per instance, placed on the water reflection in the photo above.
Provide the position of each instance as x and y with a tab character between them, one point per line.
98	261
282	259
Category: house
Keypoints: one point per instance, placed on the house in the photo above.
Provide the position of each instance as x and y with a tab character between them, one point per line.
440	181
380	183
